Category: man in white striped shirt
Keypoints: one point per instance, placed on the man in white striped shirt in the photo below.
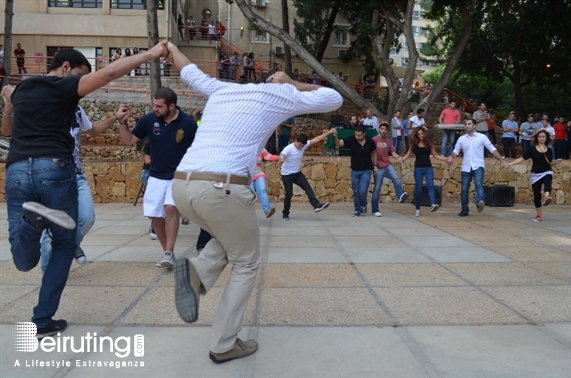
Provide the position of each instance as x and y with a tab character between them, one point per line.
211	187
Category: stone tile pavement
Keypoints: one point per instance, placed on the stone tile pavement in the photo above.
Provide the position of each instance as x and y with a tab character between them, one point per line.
336	296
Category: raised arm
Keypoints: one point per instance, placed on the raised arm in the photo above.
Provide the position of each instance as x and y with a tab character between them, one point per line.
8	114
121	67
321	137
121	116
338	142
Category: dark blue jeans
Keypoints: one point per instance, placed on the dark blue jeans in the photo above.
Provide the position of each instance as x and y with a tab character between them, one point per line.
52	183
360	181
389	172
428	174
525	144
478	176
299	179
283	141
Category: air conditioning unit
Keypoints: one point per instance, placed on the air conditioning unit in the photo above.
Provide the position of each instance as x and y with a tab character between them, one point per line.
279	50
340	53
260	3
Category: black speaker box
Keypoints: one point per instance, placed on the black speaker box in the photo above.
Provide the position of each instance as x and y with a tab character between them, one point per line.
425	201
499	195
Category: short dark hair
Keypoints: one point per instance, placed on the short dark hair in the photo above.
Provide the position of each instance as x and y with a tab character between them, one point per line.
302	138
420	110
453	101
75	58
166	94
360	128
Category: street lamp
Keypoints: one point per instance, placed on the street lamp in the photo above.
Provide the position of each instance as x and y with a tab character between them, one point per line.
241	31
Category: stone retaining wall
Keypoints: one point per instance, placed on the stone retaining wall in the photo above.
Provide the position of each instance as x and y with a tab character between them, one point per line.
331	179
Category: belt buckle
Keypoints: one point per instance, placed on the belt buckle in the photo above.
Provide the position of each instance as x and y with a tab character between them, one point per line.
218	184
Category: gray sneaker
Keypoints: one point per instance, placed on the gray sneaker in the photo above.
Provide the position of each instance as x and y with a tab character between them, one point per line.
80	256
481	206
41	217
167	261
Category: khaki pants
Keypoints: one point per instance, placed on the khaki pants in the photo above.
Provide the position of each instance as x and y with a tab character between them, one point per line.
231	220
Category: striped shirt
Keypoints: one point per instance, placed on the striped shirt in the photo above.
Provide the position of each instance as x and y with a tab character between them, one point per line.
238	119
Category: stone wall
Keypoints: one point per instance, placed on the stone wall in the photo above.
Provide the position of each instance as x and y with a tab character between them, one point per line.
331	179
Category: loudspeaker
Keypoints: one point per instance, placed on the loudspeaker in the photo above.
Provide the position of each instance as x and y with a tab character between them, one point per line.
499	195
425	200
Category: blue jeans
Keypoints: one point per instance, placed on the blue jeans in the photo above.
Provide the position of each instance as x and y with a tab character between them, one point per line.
259	186
85	220
478	176
428	174
447	136
50	182
525	144
283	141
396	142
360	181
390	172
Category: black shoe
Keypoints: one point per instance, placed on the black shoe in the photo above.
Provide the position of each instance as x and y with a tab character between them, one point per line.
186	290
286	217
321	206
54	327
462	214
80	255
41	217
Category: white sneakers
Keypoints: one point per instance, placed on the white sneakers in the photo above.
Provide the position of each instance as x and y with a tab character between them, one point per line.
377	214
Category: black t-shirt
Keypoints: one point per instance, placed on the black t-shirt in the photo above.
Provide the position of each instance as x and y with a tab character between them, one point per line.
422	155
541	160
44	110
361	159
168	142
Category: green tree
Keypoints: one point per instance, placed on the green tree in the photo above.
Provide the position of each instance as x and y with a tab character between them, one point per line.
518	40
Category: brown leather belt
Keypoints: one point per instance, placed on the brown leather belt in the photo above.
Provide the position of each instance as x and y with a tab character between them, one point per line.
212	176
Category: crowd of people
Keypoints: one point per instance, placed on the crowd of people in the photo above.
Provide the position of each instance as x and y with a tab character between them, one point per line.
206	167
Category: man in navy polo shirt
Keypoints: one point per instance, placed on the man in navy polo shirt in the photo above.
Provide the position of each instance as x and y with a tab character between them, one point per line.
363	163
170	132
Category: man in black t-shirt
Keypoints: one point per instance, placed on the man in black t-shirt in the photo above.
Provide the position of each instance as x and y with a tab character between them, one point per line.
40	186
363	163
170	132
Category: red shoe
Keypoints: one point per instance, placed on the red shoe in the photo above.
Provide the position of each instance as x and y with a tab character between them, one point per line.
537	219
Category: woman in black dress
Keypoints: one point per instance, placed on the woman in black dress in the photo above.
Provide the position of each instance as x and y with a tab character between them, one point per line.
541	173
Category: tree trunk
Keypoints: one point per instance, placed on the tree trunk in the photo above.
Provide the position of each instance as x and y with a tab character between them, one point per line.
327	34
518	94
453	60
8	15
287	51
325	74
153	37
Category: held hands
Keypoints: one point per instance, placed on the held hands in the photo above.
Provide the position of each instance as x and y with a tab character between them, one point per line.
123	113
7	94
279	77
160	49
449	160
505	165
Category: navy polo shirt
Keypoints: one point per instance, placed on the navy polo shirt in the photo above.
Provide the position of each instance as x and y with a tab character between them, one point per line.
168	142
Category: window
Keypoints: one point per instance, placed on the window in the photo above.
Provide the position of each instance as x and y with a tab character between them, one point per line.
404	46
415	15
405	61
394	51
133	4
259	36
415	31
341	37
424	31
76	3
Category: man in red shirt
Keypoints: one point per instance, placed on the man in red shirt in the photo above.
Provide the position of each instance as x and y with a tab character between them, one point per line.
385	168
560	134
20	60
449	116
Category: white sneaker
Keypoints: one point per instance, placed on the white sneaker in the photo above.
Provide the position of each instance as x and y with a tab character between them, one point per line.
417	213
167	261
152	235
377	214
434	207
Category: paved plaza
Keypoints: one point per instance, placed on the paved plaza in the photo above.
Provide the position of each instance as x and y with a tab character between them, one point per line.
435	296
